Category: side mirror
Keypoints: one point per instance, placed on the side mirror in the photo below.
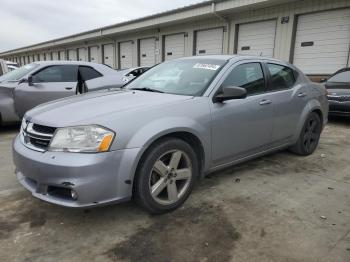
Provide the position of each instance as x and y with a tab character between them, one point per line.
230	93
30	80
323	80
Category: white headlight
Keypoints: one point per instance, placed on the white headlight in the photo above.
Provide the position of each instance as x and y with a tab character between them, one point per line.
86	139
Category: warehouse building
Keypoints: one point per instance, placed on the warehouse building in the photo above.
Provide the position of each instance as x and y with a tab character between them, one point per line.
312	34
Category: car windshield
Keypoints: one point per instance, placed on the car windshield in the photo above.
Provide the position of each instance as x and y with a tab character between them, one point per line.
343	77
181	77
17	74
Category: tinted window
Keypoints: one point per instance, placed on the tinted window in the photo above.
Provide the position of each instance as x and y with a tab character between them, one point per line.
59	73
182	77
249	76
341	77
88	73
282	77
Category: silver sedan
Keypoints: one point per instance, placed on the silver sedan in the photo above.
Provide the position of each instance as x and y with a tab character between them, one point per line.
44	81
153	139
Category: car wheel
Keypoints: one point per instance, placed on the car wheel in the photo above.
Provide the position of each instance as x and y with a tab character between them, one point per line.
166	176
309	136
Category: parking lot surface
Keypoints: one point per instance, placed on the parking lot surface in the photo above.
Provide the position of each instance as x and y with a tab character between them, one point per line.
279	207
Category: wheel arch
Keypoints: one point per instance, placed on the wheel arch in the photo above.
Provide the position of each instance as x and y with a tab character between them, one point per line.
189	137
312	106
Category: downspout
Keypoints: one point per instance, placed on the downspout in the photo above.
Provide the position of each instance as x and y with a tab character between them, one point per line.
224	19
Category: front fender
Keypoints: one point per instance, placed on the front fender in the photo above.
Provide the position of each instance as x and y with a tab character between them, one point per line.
158	128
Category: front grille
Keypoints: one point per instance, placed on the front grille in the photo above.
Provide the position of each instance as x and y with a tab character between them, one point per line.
44	129
37	137
339	98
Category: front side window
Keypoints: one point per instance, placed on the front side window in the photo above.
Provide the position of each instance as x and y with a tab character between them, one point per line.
88	73
282	77
57	73
249	76
181	77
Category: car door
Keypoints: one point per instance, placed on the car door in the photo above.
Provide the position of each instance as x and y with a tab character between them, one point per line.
50	83
289	100
242	127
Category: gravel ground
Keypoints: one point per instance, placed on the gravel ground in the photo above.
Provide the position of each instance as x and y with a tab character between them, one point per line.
279	207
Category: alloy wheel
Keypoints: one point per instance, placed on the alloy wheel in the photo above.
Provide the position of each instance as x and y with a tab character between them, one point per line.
170	177
311	135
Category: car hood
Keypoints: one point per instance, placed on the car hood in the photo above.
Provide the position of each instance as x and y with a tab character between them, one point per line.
8	84
89	107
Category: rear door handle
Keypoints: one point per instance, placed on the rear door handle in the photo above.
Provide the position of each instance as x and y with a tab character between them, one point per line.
69	88
265	102
301	95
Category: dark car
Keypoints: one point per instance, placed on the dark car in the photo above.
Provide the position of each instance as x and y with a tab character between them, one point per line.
338	87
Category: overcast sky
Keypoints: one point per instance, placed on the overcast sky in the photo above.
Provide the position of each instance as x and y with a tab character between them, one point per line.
26	22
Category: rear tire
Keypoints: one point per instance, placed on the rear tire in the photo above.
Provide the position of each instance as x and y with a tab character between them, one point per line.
166	176
309	136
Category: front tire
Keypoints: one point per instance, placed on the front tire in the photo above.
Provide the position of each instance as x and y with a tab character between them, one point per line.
309	136
166	176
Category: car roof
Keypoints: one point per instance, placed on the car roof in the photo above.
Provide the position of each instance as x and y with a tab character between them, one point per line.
232	57
64	62
104	69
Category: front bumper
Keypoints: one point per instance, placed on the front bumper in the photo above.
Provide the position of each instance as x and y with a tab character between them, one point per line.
96	178
339	108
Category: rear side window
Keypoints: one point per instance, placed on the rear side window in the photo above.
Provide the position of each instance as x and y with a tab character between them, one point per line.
57	73
88	73
281	77
249	76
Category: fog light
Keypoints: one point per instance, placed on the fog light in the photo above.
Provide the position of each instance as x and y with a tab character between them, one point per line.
74	194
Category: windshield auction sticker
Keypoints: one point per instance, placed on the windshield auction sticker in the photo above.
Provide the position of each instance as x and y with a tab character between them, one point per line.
206	66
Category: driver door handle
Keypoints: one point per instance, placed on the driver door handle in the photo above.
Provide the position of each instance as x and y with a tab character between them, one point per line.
301	95
265	102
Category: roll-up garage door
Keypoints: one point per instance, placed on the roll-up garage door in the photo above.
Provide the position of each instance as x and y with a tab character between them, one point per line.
209	42
148	52
62	54
82	54
125	54
47	56
42	57
93	54
108	55
55	56
257	39
174	46
322	42
72	55
30	59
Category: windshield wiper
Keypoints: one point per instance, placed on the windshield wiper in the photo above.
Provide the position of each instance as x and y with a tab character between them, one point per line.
147	89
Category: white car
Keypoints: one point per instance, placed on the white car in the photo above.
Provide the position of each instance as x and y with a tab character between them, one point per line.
12	65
